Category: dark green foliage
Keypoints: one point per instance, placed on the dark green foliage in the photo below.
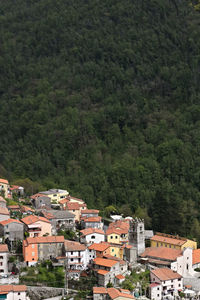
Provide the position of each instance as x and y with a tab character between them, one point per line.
102	98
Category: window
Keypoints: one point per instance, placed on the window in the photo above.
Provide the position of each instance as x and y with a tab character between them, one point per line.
157	244
113	250
111	237
158	289
1	271
158	295
116	236
72	252
179	285
171	280
1	264
1	257
18	293
93	237
72	259
32	258
7	232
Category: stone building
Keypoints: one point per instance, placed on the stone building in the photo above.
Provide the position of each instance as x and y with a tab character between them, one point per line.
137	235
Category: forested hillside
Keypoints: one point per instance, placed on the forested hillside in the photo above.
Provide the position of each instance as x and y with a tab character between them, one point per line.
103	98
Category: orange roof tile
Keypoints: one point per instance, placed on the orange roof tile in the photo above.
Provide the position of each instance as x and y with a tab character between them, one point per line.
72	206
45	239
99	290
196	256
36	195
27	208
92	219
99	246
14	288
83	205
102	272
90	211
13	206
104	262
5	222
162	253
3	181
88	231
63	201
170	239
73	198
4	211
74	246
4	248
32	219
120	276
165	274
114	293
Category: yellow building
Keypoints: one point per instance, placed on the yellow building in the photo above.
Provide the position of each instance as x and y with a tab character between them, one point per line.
171	241
116	250
55	194
4	187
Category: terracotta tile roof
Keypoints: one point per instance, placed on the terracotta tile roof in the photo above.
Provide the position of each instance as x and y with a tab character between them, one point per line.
3	181
162	253
165	274
92	219
36	195
14	187
15	288
114	230
196	256
2	199
170	239
4	248
102	272
5	222
73	198
63	201
26	209
99	246
99	290
83	205
125	291
72	206
45	239
48	215
88	231
120	224
120	276
104	262
32	219
90	211
74	246
114	293
4	211
13	207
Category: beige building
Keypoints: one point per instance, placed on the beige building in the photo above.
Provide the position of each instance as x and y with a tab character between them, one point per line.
37	226
4	185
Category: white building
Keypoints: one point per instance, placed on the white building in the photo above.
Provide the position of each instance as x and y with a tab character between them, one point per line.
4	259
76	258
13	292
168	284
92	235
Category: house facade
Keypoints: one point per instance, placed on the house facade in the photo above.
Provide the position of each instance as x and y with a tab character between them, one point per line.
60	219
4	187
37	226
92	222
3	202
169	283
55	195
41	202
4	254
42	248
4	214
92	235
12	229
13	292
171	241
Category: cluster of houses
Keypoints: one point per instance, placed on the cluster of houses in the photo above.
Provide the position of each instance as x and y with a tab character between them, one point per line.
109	252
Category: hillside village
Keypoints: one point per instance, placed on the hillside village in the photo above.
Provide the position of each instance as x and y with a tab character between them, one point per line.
57	231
